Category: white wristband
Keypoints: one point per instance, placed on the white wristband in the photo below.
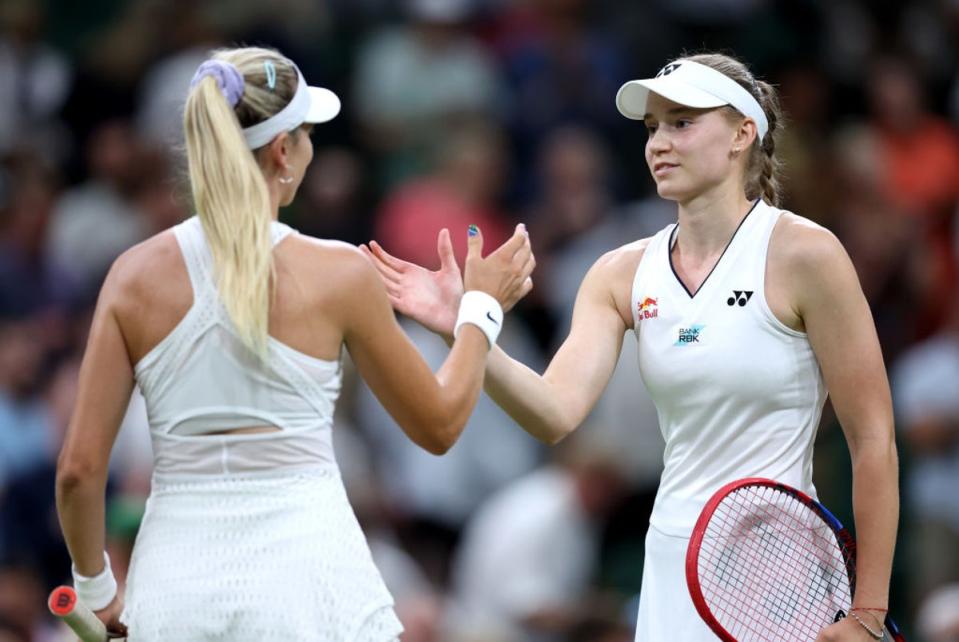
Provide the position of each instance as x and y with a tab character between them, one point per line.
483	311
96	592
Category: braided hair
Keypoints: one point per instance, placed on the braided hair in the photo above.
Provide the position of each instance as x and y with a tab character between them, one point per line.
763	169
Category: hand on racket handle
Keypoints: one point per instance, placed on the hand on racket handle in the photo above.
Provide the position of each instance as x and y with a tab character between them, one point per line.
89	626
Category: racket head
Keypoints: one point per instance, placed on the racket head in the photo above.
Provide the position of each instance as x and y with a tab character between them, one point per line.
767	562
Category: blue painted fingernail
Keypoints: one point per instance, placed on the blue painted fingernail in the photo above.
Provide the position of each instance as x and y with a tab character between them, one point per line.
473	230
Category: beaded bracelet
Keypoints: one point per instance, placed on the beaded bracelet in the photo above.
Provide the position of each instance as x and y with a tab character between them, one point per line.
874	634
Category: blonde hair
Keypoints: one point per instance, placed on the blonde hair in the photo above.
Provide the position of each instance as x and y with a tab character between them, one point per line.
763	168
229	190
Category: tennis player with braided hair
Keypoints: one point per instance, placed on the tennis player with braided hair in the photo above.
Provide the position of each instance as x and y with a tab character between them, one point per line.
745	315
233	326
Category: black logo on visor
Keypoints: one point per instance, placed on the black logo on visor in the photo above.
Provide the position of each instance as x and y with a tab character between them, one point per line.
668	69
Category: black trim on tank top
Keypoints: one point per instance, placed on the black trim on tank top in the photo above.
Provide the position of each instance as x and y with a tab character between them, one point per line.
669	253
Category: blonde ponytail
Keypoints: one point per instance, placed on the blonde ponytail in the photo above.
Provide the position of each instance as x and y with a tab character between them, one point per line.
229	190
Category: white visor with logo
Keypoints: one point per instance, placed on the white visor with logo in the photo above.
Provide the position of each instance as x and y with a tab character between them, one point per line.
693	85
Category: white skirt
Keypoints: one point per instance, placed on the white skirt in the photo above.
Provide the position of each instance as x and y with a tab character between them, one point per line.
666	611
251	558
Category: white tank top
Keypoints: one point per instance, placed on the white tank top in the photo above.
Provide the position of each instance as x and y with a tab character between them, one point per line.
201	378
738	393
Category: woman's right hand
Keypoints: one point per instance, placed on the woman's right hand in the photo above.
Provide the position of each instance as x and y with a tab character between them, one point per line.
432	298
505	273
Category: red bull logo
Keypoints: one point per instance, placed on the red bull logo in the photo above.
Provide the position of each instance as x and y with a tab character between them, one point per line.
646	309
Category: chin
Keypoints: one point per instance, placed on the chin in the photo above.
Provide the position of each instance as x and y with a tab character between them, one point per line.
669	192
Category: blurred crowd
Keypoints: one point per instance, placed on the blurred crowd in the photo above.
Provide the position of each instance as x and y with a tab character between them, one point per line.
488	112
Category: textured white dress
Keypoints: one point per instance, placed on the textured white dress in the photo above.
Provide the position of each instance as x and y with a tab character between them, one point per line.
245	537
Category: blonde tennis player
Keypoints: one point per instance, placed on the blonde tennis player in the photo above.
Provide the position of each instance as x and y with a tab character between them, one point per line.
745	315
233	326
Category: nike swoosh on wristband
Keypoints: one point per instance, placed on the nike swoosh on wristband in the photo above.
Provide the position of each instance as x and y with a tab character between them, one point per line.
490	317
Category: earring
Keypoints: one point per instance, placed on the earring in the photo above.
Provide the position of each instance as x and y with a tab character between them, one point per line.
286	180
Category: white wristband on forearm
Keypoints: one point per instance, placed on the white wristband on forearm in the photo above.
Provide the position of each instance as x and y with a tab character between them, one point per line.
483	311
96	592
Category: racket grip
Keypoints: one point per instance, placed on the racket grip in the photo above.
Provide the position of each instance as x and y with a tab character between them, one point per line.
64	604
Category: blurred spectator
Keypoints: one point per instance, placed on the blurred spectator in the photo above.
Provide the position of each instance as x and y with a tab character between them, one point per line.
805	142
886	247
464	191
938	619
529	554
29	528
34	81
23	604
920	157
333	201
561	71
25	436
95	222
415	82
31	282
574	188
189	37
926	386
920	149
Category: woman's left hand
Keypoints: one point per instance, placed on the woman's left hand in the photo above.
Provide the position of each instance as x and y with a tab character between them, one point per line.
849	630
110	616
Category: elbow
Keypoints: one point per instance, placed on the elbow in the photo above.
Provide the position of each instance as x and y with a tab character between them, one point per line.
447	436
554	432
73	473
436	435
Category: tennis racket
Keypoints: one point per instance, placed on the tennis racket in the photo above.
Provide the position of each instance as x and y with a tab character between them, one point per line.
769	563
64	604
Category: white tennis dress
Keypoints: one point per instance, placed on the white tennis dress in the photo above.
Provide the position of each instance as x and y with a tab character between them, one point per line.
738	394
245	537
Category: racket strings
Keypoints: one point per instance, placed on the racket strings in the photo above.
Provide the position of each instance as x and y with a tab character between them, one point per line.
770	568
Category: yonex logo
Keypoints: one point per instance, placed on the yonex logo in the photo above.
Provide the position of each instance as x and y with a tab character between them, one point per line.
668	69
689	335
739	296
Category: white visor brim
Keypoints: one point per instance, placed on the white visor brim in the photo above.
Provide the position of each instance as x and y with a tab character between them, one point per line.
632	97
324	105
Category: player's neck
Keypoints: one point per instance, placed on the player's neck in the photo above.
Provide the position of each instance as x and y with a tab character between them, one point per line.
707	222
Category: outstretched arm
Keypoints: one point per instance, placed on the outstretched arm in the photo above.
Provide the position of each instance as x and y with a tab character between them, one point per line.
551	405
431	409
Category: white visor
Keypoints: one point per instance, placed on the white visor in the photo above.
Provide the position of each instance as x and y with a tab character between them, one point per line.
309	105
693	85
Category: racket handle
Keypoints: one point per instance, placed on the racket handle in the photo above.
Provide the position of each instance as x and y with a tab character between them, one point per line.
64	604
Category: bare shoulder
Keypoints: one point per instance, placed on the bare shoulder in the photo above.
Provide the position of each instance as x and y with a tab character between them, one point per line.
146	269
622	261
611	277
325	263
806	266
801	245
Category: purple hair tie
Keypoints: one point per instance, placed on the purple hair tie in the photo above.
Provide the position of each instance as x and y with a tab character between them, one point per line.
227	76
